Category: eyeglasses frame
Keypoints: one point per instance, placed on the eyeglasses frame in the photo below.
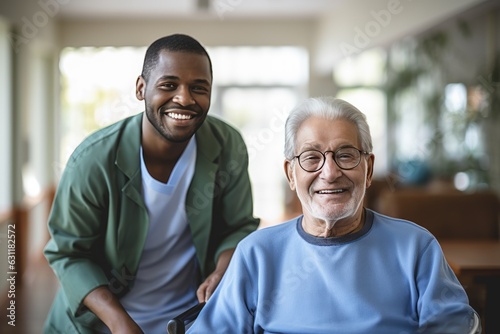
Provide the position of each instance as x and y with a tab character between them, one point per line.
334	153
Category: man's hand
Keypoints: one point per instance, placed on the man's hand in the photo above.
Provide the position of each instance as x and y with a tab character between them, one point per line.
207	288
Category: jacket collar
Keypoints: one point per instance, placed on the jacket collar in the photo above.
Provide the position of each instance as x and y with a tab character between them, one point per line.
128	159
207	147
127	155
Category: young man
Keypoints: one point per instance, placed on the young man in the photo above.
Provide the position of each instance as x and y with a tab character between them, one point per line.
338	268
150	207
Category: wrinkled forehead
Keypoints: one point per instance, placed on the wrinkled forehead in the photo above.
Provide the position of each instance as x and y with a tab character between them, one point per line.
326	134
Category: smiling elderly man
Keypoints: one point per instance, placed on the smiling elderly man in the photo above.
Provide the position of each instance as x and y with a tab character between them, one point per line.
339	268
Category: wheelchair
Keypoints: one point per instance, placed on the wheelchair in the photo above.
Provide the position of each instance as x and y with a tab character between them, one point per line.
178	324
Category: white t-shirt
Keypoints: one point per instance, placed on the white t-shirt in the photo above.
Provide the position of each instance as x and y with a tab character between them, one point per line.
165	284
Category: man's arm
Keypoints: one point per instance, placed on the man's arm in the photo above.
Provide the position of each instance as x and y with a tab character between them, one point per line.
106	306
443	305
207	288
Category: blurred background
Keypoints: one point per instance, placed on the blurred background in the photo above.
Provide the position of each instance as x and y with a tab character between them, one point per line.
426	73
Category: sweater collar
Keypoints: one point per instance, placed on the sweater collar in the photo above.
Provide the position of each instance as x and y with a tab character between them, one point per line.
336	241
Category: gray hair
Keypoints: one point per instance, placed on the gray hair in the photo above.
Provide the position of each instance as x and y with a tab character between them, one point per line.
329	108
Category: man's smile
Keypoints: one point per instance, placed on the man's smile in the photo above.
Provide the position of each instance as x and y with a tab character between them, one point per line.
331	191
179	116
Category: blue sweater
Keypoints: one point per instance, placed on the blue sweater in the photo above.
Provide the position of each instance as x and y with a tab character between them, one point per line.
390	277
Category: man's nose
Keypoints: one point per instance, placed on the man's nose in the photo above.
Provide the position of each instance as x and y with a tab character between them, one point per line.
330	168
183	96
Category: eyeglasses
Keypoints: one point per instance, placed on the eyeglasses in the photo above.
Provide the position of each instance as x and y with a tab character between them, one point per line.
345	157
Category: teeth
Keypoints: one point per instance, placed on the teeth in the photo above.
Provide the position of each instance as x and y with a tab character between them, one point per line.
179	116
330	191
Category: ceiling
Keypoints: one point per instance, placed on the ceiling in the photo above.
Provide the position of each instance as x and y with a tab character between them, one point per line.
336	21
192	9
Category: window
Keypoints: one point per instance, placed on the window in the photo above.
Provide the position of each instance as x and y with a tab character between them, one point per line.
98	88
255	88
360	83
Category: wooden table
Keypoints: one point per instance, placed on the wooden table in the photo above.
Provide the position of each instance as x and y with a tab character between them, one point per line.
478	260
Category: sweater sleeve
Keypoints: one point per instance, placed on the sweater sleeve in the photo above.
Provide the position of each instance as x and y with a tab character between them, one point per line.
443	305
231	308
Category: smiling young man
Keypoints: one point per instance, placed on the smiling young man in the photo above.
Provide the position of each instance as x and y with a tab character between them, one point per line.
149	210
339	268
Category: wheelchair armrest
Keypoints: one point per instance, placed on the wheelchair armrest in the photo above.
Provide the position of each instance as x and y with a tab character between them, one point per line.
476	326
178	324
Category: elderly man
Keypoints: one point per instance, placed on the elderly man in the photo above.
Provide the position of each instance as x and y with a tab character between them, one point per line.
339	267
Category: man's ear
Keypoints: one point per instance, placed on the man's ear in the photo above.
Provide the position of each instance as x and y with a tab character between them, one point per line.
140	86
369	170
289	174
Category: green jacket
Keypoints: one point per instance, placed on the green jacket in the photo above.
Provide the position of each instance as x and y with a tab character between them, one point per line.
99	222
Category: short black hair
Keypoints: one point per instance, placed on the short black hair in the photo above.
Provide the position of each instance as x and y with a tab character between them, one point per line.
173	43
